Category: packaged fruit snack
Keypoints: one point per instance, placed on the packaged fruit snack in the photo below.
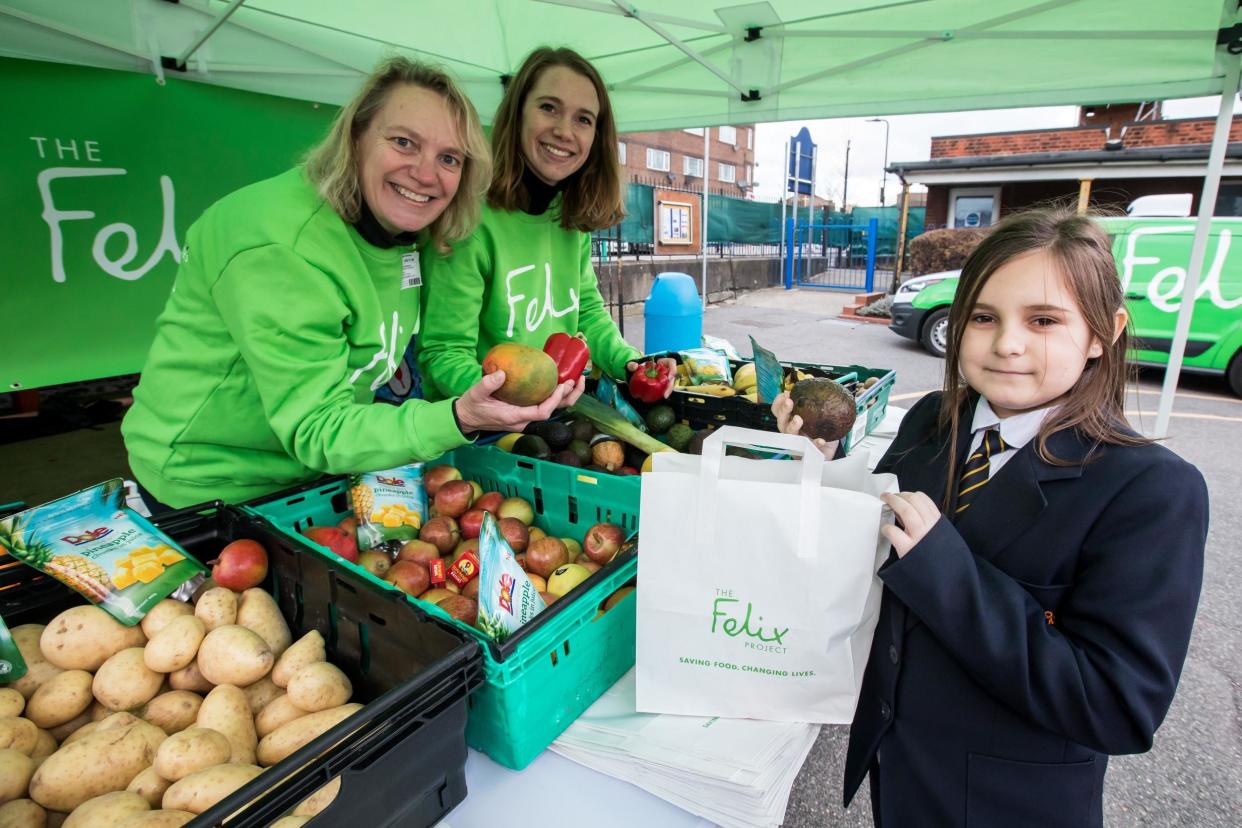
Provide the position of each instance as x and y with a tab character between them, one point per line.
507	598
706	366
96	545
12	665
390	505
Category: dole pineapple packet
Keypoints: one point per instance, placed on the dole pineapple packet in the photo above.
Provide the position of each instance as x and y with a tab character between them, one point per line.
97	546
12	665
390	505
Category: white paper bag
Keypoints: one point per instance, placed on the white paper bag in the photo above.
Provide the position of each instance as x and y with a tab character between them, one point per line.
757	591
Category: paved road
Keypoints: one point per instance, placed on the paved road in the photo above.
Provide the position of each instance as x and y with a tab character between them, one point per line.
1193	775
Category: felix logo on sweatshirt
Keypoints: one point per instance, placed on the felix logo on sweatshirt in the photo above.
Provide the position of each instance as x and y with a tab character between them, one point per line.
387	353
536	312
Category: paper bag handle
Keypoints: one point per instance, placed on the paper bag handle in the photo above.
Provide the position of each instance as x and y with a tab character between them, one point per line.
812	469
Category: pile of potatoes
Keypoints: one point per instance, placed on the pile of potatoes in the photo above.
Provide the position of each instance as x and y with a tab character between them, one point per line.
148	726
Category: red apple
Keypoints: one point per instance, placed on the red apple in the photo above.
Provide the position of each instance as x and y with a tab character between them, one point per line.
419	551
468	545
516	507
471	589
409	577
349	524
241	565
589	564
336	539
476	489
515	532
548	598
441	532
437	476
376	562
472	523
454	497
460	607
545	556
602	542
489	502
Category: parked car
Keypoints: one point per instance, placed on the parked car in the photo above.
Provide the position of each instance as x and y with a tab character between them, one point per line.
1152	256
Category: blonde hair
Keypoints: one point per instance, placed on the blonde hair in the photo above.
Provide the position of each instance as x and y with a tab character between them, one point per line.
593	198
333	165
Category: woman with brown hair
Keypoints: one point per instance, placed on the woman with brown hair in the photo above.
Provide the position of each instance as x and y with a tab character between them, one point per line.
526	272
295	300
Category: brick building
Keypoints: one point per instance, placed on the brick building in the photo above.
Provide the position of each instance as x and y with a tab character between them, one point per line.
1116	154
674	158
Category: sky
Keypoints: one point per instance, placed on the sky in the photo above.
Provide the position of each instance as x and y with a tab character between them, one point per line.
909	139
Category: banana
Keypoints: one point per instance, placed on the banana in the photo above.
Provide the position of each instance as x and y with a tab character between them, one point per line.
711	390
744	377
750	397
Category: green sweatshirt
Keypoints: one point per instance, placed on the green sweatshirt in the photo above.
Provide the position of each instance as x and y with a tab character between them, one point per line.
281	324
520	278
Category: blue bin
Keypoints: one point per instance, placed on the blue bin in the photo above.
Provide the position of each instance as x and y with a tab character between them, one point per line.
673	314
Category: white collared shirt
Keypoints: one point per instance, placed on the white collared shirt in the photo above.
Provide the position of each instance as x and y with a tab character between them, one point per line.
1016	431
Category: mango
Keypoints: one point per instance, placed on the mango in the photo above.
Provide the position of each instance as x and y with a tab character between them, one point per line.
530	374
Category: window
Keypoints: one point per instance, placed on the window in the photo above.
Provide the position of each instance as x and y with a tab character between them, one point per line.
621	152
692	167
750	138
658	160
728	135
976	207
728	173
694	130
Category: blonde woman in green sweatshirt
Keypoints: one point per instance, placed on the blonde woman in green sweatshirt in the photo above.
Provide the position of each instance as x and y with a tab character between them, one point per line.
526	271
296	298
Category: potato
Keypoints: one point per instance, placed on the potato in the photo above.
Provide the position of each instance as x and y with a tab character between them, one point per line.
280	712
260	693
199	791
225	711
22	813
55	819
190	678
173	711
108	809
191	750
44	747
120	721
159	616
217	608
319	800
319	686
77	733
125	682
104	761
287	738
16	768
176	645
307	650
235	655
290	822
84	637
149	785
19	734
61	699
99	712
38	668
12	703
158	819
258	611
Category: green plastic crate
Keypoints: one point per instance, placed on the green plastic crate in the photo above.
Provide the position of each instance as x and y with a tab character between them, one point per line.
540	680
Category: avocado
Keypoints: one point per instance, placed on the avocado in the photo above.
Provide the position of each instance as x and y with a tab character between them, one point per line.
660	418
827	410
582	449
556	434
679	436
695	445
530	445
566	457
581	430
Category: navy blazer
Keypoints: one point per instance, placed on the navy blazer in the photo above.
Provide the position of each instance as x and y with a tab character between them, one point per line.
1019	647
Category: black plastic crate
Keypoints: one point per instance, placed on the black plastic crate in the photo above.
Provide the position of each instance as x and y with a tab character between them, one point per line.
402	757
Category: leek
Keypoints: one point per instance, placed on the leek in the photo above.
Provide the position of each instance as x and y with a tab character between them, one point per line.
608	420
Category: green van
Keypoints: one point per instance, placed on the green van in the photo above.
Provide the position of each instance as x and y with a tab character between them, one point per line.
1152	256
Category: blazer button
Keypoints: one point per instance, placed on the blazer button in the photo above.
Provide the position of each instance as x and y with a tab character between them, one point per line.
886	712
892	653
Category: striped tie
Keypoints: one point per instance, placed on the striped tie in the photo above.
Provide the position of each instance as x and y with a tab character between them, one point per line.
975	473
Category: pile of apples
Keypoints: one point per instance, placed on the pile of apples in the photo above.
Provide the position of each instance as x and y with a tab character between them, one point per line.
554	565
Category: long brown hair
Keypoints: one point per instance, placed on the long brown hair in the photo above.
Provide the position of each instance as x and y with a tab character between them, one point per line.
333	165
592	199
1095	404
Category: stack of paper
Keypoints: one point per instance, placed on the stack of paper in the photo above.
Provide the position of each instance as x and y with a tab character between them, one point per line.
734	772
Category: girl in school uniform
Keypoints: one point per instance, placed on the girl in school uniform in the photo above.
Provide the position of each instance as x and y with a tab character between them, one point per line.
1046	561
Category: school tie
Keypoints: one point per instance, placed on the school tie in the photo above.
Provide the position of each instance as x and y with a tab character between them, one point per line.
975	473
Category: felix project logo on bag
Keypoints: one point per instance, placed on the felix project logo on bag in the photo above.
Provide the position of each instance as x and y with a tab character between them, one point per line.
734	617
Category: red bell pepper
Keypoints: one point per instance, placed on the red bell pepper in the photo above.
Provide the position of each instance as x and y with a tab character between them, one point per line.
570	354
649	381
